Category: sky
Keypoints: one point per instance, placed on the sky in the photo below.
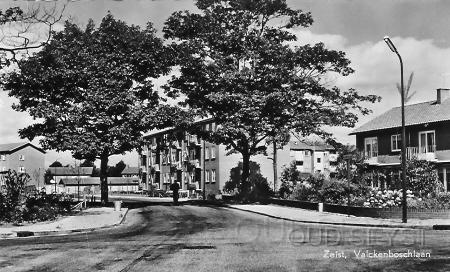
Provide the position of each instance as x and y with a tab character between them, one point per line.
420	29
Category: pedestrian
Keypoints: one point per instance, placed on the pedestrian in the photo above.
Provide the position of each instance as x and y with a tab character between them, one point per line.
175	188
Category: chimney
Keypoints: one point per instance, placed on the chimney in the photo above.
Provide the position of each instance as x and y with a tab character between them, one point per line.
441	95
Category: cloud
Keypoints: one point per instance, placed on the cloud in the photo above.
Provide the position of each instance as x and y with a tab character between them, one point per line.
377	69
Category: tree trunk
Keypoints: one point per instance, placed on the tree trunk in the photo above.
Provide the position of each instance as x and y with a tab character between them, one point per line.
245	183
104	179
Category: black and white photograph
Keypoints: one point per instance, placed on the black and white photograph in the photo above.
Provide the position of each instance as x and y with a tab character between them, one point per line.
224	135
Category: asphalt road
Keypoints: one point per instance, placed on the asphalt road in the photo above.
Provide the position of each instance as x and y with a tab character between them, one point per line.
194	238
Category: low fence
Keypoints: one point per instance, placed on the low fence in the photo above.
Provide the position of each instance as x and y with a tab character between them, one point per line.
395	212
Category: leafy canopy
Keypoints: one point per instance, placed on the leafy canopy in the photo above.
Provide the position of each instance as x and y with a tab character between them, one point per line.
90	90
238	65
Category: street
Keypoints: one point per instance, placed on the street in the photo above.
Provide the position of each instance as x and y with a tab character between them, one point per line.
199	238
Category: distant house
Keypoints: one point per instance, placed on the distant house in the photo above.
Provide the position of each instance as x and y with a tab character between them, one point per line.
87	184
68	172
23	157
313	158
427	138
131	172
59	173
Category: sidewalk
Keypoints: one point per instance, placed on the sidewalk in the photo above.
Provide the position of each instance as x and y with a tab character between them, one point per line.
310	216
87	220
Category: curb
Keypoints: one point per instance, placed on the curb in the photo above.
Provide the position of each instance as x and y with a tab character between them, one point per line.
433	227
36	234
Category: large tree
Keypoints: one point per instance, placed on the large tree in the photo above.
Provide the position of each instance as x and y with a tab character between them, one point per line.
90	90
239	64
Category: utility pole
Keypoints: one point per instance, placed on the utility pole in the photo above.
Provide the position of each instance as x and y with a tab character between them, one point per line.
204	170
275	174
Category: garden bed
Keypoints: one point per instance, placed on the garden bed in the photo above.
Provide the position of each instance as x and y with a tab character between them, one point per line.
391	213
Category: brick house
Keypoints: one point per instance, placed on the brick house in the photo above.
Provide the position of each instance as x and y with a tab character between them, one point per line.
23	157
427	136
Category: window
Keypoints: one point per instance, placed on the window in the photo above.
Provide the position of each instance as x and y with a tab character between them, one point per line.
207	174
318	160
298	162
396	142
306	152
213	152
427	141
3	157
207	153
213	176
173	157
371	147
21	169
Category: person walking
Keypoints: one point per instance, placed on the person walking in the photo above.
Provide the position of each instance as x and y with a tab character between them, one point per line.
175	188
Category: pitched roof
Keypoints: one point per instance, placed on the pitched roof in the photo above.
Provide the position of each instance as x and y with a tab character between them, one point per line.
297	145
155	132
96	181
71	171
416	114
12	147
131	171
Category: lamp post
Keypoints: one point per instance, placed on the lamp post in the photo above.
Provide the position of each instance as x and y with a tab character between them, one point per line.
393	49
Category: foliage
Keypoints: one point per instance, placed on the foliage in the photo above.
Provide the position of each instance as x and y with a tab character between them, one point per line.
387	198
116	171
92	91
239	65
14	188
316	188
16	206
44	207
87	163
290	176
259	189
422	178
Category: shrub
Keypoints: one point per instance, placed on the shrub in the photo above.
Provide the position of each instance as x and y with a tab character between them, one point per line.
422	178
259	187
334	191
387	198
16	206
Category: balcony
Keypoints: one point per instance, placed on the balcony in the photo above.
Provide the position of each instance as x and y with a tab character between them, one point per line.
196	163
155	167
371	157
422	153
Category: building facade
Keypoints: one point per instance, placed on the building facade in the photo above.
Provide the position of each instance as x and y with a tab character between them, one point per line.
427	128
313	157
177	156
23	158
131	172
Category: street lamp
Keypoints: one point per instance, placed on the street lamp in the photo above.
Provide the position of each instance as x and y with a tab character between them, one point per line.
393	49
